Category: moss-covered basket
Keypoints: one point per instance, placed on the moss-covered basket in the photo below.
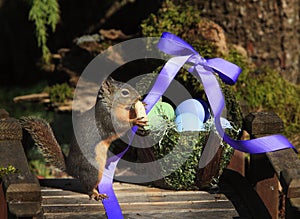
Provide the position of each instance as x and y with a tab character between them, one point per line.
180	152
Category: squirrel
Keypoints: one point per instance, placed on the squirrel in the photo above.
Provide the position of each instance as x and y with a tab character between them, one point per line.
112	115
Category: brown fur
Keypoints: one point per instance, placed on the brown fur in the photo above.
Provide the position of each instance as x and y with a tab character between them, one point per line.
88	149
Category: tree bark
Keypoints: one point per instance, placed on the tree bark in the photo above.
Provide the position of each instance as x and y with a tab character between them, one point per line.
269	30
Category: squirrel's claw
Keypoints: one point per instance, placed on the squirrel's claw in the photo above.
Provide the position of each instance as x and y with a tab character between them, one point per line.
140	122
97	196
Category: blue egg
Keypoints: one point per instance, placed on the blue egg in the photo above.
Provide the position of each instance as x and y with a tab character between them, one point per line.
188	122
206	109
192	106
225	123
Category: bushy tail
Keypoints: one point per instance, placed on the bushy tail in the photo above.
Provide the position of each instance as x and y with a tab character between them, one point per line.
44	138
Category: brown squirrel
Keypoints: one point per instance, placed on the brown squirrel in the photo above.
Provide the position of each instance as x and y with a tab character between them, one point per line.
112	115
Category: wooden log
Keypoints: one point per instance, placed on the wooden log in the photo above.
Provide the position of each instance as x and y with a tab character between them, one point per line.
290	179
263	123
261	172
237	161
284	163
40	97
21	189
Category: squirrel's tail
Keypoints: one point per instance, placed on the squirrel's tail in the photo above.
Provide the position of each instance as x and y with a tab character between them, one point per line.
44	138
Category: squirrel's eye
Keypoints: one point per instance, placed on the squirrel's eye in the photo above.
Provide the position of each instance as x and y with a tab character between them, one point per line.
125	92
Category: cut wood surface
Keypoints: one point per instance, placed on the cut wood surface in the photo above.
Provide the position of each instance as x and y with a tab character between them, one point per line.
40	97
140	202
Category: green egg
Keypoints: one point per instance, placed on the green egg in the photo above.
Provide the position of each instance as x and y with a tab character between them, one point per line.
158	115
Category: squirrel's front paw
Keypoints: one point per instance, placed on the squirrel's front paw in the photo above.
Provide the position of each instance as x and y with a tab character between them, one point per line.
140	122
97	196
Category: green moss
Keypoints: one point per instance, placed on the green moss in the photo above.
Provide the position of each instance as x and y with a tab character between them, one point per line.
261	88
180	20
173	18
186	147
60	93
265	89
7	170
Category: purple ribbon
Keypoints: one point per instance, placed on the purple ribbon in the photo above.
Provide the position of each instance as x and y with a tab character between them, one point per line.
228	72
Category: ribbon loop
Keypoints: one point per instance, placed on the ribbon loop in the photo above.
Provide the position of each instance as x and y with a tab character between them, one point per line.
229	74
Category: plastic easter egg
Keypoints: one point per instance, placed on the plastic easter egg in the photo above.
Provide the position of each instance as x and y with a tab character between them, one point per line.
191	106
188	122
159	113
225	123
206	109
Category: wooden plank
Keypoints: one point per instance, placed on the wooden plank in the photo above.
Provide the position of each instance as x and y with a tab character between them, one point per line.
138	202
290	181
237	162
263	123
151	215
139	207
261	172
292	208
283	160
3	204
268	189
247	195
21	189
135	197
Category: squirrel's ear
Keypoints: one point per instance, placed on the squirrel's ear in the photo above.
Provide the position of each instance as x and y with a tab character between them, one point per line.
106	87
108	82
110	79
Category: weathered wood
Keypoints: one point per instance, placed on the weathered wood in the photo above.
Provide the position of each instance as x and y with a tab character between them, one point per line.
248	196
237	162
149	215
291	182
10	129
261	172
3	114
287	165
284	163
136	202
266	183
40	97
21	189
283	160
205	175
292	208
263	123
3	204
268	190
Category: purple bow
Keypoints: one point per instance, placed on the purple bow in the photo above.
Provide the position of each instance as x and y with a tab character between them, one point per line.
185	54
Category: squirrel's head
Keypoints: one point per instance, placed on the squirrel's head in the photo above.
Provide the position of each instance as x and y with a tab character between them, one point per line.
120	100
114	92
